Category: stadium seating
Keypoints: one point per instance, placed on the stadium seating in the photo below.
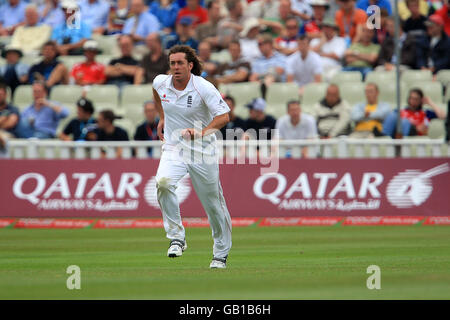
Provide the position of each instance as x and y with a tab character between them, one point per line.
388	93
243	93
127	125
412	76
221	56
313	92
436	129
278	95
104	58
107	44
133	98
67	95
443	76
23	96
347	76
70	61
431	89
380	77
104	97
352	92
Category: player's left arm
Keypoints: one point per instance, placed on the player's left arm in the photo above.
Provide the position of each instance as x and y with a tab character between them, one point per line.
216	124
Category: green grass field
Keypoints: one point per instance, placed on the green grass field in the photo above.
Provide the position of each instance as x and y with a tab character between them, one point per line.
265	263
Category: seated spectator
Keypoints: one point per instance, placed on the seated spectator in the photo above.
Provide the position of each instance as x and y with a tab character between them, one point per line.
183	35
249	40
208	31
79	127
302	9
432	53
382	4
362	55
330	47
51	14
444	13
236	126
414	119
237	70
287	44
121	71
14	73
195	11
90	71
416	22
264	9
73	32
259	125
166	11
154	63
41	119
148	130
12	15
209	66
296	125
118	14
357	17
50	69
304	66
95	14
142	23
9	115
230	27
276	26
312	28
404	10
332	114
387	58
369	115
32	35
270	66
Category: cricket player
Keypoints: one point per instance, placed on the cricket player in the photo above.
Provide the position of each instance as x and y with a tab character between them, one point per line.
191	110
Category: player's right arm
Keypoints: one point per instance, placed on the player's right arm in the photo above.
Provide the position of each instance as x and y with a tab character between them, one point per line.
160	110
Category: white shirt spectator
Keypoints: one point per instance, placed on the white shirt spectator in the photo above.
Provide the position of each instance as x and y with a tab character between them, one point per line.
337	45
249	49
304	70
305	129
302	6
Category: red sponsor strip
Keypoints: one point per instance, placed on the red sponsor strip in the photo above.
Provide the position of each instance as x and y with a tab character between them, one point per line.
384	221
52	223
300	221
6	222
128	223
437	221
243	222
196	222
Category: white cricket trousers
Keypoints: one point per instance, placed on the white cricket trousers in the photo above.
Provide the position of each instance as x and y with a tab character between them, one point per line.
205	180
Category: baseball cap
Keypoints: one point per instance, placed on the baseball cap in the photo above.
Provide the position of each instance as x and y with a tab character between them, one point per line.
435	19
86	105
257	104
323	3
90	45
186	21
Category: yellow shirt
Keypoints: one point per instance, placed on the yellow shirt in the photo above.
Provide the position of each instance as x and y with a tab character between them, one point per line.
369	125
404	12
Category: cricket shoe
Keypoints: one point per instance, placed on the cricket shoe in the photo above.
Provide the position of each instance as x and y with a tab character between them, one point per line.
176	248
218	263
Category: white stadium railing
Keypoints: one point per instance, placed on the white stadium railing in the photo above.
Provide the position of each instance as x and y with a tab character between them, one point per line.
327	148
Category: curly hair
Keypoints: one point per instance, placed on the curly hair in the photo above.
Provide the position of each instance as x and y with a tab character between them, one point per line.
190	57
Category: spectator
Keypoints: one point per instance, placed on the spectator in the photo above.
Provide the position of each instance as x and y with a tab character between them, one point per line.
118	15
14	73
416	21
95	14
142	23
404	10
9	115
369	115
195	11
249	42
237	70
183	35
208	31
50	69
414	120
432	53
72	33
154	63
312	27
90	71
209	66
259	125
121	71
12	15
236	125
166	11
332	114
382	4
362	55
302	9
296	125
444	13
387	58
230	27
304	66
79	127
264	9
270	66
287	44
381	32
147	131
31	36
51	13
350	20
41	119
330	47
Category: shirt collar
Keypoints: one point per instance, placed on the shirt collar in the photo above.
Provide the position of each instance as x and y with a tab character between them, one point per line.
189	86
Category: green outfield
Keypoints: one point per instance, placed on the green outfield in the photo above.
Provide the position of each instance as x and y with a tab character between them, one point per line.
265	263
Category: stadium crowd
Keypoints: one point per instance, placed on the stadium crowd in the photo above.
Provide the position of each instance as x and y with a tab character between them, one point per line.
260	42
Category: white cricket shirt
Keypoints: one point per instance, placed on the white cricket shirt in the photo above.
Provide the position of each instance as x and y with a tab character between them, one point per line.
194	107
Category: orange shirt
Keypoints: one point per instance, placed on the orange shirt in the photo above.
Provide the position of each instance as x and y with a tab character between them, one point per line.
347	23
91	73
